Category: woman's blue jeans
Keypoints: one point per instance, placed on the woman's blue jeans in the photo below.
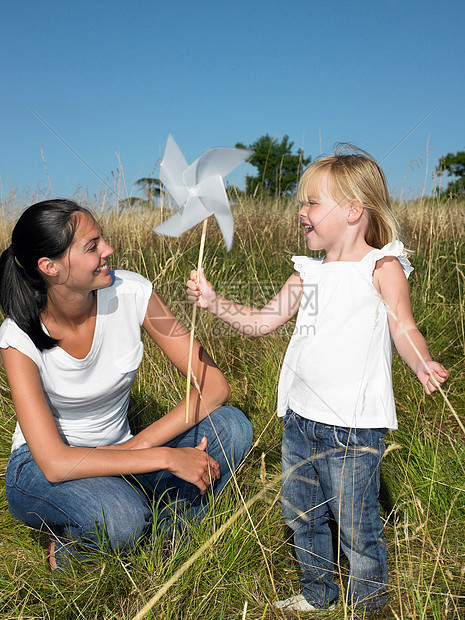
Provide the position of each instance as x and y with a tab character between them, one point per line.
119	510
332	472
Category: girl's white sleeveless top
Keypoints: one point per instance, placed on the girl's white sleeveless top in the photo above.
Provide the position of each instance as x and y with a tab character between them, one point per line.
337	368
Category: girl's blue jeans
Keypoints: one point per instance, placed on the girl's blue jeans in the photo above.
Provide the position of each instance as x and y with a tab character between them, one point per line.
332	472
119	510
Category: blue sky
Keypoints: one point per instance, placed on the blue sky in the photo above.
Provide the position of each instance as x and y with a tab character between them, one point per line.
117	77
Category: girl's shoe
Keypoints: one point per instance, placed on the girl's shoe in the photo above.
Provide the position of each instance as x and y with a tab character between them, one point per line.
51	560
299	603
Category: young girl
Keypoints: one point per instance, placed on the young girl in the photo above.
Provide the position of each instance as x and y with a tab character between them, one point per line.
335	388
71	346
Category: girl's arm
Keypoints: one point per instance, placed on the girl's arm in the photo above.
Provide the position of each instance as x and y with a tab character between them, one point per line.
246	320
391	283
59	462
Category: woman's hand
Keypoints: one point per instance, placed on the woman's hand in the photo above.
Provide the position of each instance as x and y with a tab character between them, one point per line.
203	293
433	376
194	465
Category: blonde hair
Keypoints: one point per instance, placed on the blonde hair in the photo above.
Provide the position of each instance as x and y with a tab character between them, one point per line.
354	175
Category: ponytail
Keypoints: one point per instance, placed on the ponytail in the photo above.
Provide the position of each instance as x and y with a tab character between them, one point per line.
45	229
22	300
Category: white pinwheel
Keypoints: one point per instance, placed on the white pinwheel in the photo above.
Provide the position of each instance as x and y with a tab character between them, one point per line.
198	189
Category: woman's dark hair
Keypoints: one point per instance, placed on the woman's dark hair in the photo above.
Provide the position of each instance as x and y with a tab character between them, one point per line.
44	229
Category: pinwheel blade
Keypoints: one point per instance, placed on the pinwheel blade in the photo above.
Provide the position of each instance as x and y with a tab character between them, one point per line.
171	171
225	220
215	161
184	219
212	193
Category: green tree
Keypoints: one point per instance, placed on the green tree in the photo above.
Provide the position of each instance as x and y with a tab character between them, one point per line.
454	166
278	168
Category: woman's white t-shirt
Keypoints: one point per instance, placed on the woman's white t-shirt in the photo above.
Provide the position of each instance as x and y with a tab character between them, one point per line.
89	397
337	368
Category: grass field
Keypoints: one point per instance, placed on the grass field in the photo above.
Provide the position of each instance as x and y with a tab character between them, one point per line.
239	559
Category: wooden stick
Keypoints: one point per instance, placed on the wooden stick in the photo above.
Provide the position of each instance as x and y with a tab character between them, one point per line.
194	314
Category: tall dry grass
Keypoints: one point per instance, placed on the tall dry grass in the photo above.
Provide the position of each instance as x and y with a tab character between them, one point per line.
245	554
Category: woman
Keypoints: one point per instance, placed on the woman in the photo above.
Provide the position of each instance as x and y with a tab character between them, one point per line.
71	348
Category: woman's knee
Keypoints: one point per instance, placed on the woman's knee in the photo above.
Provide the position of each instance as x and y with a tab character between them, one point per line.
236	429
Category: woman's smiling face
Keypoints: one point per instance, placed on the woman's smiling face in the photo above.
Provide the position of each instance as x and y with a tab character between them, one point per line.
85	266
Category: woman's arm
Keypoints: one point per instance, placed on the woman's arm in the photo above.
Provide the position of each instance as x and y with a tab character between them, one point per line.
391	283
246	320
210	391
59	462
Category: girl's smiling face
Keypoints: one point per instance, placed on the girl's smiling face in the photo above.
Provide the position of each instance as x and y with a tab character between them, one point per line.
322	217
